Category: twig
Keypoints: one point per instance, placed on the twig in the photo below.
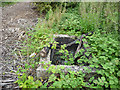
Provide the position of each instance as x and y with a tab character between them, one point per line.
17	87
79	44
19	63
20	55
9	73
15	54
6	75
3	84
11	69
6	81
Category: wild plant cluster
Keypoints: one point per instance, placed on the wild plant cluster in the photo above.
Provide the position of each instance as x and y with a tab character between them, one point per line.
75	19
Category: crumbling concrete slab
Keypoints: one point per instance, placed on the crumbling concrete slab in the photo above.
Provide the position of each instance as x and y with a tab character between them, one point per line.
41	72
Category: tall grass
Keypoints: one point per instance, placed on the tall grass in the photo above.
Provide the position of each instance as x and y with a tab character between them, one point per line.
55	17
103	15
52	19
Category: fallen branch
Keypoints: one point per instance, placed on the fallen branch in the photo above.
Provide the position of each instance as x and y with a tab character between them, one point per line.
6	81
3	84
9	73
20	55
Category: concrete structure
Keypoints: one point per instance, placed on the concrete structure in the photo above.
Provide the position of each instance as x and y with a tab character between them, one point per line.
41	72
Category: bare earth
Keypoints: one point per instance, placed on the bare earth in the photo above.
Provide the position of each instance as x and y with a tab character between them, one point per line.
15	19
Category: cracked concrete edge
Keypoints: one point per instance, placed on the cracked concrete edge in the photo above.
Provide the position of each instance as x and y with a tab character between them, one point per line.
41	72
62	35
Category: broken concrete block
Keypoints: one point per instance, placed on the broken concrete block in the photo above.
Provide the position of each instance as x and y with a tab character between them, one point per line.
62	39
41	72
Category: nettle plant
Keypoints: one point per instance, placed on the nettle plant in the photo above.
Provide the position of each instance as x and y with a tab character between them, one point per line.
59	79
25	81
70	79
25	77
105	58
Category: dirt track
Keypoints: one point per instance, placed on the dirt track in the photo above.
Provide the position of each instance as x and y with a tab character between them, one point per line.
15	19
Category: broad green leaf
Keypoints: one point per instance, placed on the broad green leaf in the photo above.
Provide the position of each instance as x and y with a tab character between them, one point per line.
30	77
111	82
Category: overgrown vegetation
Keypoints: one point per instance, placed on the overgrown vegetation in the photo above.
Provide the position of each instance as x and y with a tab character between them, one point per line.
6	3
100	18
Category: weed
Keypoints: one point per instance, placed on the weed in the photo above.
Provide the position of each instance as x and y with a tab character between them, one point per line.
85	17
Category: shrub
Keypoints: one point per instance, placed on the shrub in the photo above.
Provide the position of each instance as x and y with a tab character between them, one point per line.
105	56
46	6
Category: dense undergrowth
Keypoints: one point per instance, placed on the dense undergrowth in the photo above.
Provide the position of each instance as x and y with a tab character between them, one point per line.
75	19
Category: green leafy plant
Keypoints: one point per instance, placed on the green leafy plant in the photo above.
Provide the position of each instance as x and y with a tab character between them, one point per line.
66	55
25	80
28	82
99	15
105	55
69	79
104	46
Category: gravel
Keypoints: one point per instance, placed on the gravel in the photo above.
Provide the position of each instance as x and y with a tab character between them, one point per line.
15	19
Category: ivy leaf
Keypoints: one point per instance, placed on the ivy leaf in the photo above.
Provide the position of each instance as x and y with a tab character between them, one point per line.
87	53
95	81
33	65
107	74
91	79
85	68
105	66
